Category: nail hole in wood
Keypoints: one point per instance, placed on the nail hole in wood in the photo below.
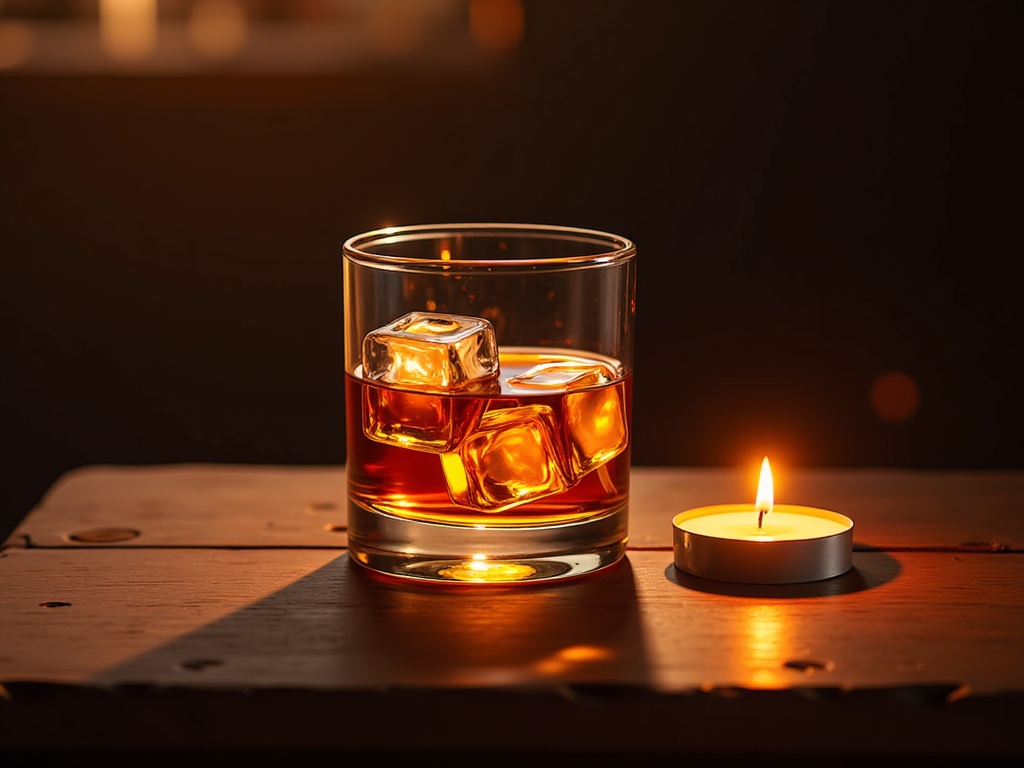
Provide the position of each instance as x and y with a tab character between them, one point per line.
321	507
200	665
104	535
910	666
808	666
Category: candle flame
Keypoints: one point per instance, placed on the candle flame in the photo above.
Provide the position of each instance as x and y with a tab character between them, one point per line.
765	489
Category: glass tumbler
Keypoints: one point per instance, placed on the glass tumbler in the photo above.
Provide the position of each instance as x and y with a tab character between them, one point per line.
488	400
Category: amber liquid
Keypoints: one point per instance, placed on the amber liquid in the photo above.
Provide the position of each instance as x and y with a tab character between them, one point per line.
413	484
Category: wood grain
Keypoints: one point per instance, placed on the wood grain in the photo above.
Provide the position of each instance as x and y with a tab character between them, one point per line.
214	606
192	505
200	505
309	619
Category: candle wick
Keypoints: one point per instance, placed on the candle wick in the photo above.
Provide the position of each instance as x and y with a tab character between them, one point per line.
760	517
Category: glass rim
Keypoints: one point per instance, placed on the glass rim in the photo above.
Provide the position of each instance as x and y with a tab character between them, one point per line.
616	247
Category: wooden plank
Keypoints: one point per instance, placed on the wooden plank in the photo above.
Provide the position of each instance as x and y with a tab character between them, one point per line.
308	619
275	506
193	505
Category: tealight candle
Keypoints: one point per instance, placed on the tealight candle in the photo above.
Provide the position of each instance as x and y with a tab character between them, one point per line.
763	543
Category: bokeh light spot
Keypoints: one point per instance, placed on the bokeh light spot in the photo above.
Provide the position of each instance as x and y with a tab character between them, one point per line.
894	396
393	30
218	28
16	43
496	25
128	28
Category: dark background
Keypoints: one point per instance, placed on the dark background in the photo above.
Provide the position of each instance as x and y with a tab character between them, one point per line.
821	192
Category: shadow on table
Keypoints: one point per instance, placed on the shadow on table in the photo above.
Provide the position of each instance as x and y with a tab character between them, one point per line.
574	632
342	628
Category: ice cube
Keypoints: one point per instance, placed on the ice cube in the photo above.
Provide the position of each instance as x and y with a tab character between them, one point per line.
562	374
418	420
432	352
597	431
510	459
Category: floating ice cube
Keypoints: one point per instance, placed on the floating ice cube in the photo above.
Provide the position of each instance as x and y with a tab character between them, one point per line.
595	415
432	352
510	459
562	374
420	421
597	431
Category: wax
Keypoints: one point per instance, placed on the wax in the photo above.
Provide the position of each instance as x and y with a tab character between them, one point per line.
786	522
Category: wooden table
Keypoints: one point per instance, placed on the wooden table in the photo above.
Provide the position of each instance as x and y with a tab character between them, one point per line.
213	607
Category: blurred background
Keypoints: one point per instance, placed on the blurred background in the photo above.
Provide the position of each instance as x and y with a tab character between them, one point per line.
825	195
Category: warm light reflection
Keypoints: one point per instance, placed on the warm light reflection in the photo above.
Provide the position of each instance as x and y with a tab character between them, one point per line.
572	657
218	28
764	644
446	254
128	28
481	570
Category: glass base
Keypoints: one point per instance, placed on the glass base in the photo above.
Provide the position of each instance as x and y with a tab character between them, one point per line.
451	554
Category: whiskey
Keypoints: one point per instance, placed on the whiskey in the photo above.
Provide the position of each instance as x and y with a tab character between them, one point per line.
545	441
